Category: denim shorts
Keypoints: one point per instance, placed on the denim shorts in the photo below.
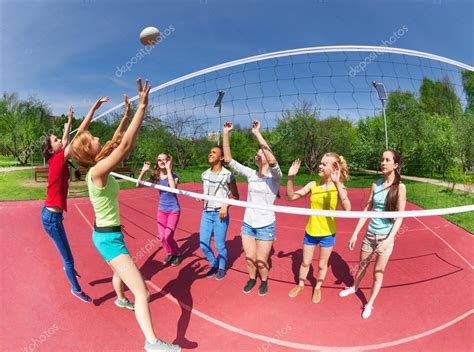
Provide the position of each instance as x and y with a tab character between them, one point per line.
266	233
323	241
109	244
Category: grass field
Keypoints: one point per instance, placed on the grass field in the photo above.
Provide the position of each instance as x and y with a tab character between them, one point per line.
20	185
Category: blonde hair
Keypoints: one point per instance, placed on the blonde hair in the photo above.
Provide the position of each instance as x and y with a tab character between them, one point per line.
81	149
343	165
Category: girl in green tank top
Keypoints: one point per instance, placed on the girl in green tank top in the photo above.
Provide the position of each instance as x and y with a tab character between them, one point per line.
107	235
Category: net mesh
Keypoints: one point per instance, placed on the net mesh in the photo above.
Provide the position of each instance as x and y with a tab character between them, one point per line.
184	120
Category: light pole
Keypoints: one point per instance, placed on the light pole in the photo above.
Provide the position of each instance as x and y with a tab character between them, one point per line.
217	104
382	95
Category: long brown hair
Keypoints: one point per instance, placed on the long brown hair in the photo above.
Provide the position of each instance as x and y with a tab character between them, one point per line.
155	177
81	149
391	203
46	146
343	165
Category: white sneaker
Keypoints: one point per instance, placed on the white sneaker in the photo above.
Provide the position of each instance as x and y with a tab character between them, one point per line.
367	311
348	291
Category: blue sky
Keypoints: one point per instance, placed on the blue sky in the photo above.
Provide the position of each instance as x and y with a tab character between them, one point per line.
67	52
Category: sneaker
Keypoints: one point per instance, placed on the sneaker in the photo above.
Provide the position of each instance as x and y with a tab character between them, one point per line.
82	296
176	260
250	285
220	274
168	260
211	272
161	346
367	311
124	304
295	291
316	295
263	289
348	291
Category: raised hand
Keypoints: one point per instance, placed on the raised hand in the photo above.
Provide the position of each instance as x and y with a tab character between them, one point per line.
146	166
336	173
100	101
295	166
255	126
168	163
126	105
70	113
143	91
228	126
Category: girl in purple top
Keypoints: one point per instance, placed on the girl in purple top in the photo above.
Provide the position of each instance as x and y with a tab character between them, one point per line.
168	209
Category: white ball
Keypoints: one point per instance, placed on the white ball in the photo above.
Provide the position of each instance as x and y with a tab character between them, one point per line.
150	36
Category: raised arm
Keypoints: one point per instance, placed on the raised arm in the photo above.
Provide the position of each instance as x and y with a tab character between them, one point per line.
67	126
67	129
341	189
228	126
263	144
145	168
292	172
173	182
106	165
362	221
123	122
87	120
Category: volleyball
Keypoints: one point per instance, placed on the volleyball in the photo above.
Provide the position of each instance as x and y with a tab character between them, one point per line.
149	36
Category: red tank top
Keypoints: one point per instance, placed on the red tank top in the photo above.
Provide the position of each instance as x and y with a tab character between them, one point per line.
58	182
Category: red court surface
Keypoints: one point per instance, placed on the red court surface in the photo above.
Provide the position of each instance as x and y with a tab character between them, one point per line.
426	302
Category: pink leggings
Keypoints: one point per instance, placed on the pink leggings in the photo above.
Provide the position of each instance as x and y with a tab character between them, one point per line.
167	222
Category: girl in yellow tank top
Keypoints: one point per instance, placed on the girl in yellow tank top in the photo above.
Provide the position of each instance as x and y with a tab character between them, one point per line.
320	230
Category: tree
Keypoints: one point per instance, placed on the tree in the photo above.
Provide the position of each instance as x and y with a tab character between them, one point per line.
439	97
184	130
23	125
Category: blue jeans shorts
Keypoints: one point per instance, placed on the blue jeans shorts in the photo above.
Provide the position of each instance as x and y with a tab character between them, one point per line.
266	233
323	241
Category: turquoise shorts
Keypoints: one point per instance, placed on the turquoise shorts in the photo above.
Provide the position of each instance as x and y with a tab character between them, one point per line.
109	244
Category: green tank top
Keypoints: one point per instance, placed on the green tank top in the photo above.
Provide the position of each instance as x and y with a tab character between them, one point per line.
104	200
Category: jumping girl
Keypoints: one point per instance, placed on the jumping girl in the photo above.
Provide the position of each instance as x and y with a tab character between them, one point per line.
107	234
57	152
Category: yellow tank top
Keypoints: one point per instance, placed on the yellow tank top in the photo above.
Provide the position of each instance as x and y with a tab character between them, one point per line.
319	226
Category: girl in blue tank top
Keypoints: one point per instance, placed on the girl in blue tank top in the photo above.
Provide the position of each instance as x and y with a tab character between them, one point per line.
387	194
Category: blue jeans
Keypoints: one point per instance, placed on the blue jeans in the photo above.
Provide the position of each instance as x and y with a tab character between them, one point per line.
53	225
210	223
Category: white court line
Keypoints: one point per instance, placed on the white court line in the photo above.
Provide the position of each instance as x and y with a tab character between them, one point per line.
446	243
84	217
294	344
308	347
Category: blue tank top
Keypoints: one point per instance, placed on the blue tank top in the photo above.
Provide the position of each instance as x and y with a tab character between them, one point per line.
380	226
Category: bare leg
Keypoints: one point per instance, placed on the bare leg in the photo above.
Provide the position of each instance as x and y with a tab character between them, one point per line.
263	251
308	252
250	249
130	275
380	265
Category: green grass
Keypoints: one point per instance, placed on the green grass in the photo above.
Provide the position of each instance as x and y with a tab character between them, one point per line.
425	195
